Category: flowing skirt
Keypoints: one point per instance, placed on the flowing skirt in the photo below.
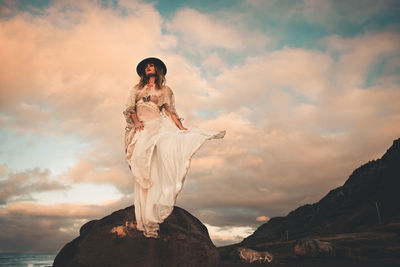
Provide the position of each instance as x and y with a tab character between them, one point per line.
159	157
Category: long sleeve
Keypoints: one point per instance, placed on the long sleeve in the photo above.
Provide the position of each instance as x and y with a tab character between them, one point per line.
169	102
130	107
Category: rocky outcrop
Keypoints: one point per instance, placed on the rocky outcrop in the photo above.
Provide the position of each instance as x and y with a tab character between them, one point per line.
249	255
114	241
313	248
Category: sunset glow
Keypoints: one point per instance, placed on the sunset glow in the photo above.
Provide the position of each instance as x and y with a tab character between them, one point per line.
307	91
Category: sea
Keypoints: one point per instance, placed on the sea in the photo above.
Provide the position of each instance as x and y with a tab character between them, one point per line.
27	259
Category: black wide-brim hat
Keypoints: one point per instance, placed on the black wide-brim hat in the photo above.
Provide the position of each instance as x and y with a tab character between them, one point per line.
143	64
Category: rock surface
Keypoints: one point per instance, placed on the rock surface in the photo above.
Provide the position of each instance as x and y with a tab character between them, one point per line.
114	241
313	248
249	255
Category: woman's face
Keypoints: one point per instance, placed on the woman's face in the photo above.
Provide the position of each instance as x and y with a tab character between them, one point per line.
150	69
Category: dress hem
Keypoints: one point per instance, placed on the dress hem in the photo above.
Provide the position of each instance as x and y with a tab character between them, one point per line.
218	135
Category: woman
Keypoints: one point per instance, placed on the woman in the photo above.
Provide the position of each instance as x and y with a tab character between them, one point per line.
158	148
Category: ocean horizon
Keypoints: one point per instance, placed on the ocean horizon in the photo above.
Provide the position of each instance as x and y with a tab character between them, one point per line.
30	259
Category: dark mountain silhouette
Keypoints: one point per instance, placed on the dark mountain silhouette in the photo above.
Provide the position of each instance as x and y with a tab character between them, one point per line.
348	208
367	202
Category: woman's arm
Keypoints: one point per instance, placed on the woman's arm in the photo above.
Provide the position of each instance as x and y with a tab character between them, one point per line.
138	124
177	121
130	110
169	105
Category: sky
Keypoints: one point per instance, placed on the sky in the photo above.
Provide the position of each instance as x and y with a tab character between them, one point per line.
306	90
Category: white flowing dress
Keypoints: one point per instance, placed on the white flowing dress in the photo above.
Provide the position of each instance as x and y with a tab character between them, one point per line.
159	155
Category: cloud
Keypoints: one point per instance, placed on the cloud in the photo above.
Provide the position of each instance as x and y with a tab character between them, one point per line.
17	186
359	54
205	31
79	85
222	236
262	219
302	73
3	170
33	227
343	17
213	64
99	169
202	31
333	13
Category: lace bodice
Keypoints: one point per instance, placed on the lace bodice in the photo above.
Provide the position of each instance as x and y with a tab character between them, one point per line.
148	103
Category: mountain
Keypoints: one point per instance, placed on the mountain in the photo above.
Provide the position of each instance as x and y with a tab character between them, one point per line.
367	202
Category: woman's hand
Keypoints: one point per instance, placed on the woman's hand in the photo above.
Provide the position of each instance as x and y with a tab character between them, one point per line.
176	120
139	126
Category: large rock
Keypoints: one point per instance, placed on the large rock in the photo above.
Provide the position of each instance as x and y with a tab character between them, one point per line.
313	248
114	241
249	255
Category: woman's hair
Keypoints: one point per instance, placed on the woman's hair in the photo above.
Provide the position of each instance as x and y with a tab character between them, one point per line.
160	78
